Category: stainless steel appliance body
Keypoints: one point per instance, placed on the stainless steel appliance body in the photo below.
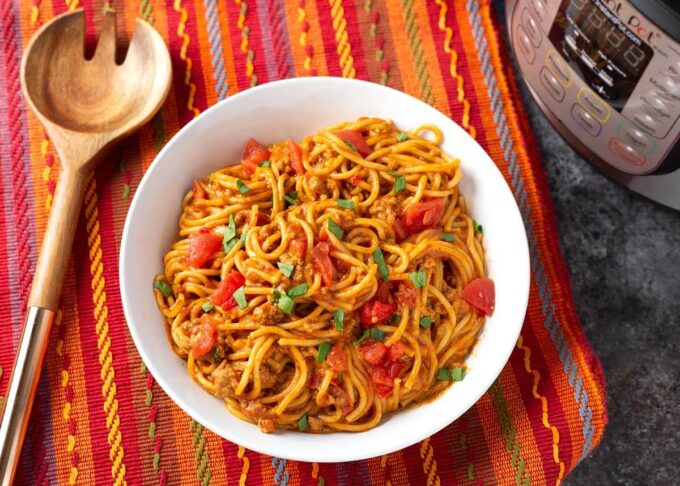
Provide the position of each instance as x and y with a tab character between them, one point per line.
606	73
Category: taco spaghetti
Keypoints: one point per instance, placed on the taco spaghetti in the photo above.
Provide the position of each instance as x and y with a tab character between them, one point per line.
317	286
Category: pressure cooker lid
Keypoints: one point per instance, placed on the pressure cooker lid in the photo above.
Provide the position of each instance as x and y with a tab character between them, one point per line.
664	13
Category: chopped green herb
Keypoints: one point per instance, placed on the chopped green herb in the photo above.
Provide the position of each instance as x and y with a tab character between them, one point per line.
244	235
454	374
402	136
230	230
229	245
240	298
380	260
477	227
303	423
266	163
242	188
324	349
443	374
345	204
297	291
377	334
339	318
399	184
393	174
447	237
418	278
395	318
217	353
350	145
335	229
286	304
291	197
425	322
322	481
207	306
363	338
286	268
163	287
276	295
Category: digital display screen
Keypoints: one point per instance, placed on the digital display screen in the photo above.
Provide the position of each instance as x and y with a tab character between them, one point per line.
599	47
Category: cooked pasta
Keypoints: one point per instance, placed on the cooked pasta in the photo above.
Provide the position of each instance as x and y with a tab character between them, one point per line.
318	286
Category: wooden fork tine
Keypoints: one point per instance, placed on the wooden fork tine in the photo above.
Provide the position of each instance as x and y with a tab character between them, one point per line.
106	44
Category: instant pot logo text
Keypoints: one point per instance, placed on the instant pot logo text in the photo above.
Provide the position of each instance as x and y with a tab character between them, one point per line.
632	22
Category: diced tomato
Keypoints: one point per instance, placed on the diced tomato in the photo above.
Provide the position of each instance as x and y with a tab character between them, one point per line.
322	262
374	312
255	151
400	233
386	365
296	157
207	336
395	369
481	294
202	246
407	294
356	178
337	358
384	391
199	191
249	166
262	219
299	242
373	352
423	215
380	376
396	351
356	139
223	295
253	154
323	235
384	292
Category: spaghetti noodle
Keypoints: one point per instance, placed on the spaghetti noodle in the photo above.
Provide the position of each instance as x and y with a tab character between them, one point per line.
319	286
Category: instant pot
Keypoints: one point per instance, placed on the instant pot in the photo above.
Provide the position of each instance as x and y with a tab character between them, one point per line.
606	73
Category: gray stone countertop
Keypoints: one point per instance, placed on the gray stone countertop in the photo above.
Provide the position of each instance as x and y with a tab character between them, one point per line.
623	254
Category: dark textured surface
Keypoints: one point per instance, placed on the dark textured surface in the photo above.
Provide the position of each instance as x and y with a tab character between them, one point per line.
623	253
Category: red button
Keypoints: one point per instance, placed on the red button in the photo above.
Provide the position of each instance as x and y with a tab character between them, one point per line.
626	152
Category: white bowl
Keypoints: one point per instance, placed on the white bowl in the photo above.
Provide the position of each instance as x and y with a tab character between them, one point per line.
293	109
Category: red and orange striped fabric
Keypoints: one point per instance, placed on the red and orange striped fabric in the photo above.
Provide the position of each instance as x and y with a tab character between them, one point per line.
101	419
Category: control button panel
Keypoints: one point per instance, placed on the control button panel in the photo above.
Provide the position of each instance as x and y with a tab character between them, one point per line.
524	44
586	121
594	104
551	85
674	70
648	123
634	135
540	10
626	152
666	87
656	105
559	68
531	28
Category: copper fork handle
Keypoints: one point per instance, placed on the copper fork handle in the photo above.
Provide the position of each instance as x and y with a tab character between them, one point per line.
22	387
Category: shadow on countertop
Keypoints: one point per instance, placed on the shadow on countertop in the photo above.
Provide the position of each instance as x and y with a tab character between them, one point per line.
623	254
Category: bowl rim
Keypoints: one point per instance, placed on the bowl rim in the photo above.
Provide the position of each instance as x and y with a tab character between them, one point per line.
423	430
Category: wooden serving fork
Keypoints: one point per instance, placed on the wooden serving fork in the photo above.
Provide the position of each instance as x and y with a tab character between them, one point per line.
86	106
